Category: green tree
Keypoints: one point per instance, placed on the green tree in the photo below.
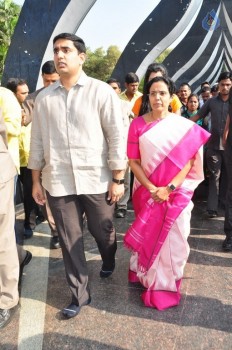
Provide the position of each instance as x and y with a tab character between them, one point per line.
9	14
163	55
100	64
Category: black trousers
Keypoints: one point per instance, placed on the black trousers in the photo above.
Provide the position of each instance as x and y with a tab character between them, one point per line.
31	209
228	209
217	178
68	214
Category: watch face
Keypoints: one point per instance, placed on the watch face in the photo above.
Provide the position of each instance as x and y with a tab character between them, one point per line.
172	187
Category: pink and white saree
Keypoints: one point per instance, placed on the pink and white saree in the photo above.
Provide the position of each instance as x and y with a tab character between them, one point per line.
158	236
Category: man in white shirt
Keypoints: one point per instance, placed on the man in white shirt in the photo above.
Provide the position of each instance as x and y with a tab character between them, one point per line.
78	147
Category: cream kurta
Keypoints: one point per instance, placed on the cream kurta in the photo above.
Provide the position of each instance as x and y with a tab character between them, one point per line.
77	137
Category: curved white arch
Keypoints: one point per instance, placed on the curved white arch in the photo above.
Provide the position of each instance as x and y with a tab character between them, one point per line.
219	72
197	54
216	68
219	62
209	62
67	23
183	26
228	60
227	18
228	46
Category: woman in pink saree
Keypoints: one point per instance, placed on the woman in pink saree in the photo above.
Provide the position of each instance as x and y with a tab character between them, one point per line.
165	153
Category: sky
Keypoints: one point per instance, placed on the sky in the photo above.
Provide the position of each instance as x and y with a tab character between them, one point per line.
19	2
112	22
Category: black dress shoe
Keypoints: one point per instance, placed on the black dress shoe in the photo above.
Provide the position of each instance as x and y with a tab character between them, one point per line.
73	310
104	273
227	244
55	243
212	214
6	316
120	213
25	262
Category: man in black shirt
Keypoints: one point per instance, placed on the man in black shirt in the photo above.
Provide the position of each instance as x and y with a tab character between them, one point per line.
227	244
218	107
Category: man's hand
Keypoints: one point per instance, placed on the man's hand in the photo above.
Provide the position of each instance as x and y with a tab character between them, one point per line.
115	192
38	193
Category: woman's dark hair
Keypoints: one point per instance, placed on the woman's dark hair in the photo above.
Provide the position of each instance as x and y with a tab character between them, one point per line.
152	68
193	95
165	80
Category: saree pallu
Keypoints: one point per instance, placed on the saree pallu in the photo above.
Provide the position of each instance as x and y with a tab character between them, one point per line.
158	236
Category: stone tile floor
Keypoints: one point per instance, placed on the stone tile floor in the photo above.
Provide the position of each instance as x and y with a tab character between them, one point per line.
116	319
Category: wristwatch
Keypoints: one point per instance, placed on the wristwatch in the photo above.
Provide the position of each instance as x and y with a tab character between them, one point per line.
171	187
118	182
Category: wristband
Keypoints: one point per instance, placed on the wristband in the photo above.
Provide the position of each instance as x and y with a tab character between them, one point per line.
118	182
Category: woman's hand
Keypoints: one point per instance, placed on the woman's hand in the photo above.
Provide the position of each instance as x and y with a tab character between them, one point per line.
160	195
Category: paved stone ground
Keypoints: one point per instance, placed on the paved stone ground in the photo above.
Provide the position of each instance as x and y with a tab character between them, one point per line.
116	319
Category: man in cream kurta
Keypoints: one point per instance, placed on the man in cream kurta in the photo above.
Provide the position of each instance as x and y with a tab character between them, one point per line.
78	147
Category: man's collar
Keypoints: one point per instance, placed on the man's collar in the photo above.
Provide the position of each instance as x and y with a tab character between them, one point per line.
81	81
220	97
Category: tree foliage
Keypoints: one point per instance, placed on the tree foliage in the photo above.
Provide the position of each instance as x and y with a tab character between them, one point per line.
100	63
163	55
9	13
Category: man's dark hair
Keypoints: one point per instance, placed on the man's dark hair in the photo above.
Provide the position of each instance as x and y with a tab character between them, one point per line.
113	80
214	88
77	41
205	83
185	83
13	83
131	78
205	89
224	75
48	68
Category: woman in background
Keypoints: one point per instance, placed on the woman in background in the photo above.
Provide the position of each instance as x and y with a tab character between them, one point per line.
192	108
141	105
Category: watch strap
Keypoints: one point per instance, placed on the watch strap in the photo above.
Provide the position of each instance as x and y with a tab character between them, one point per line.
118	182
171	186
